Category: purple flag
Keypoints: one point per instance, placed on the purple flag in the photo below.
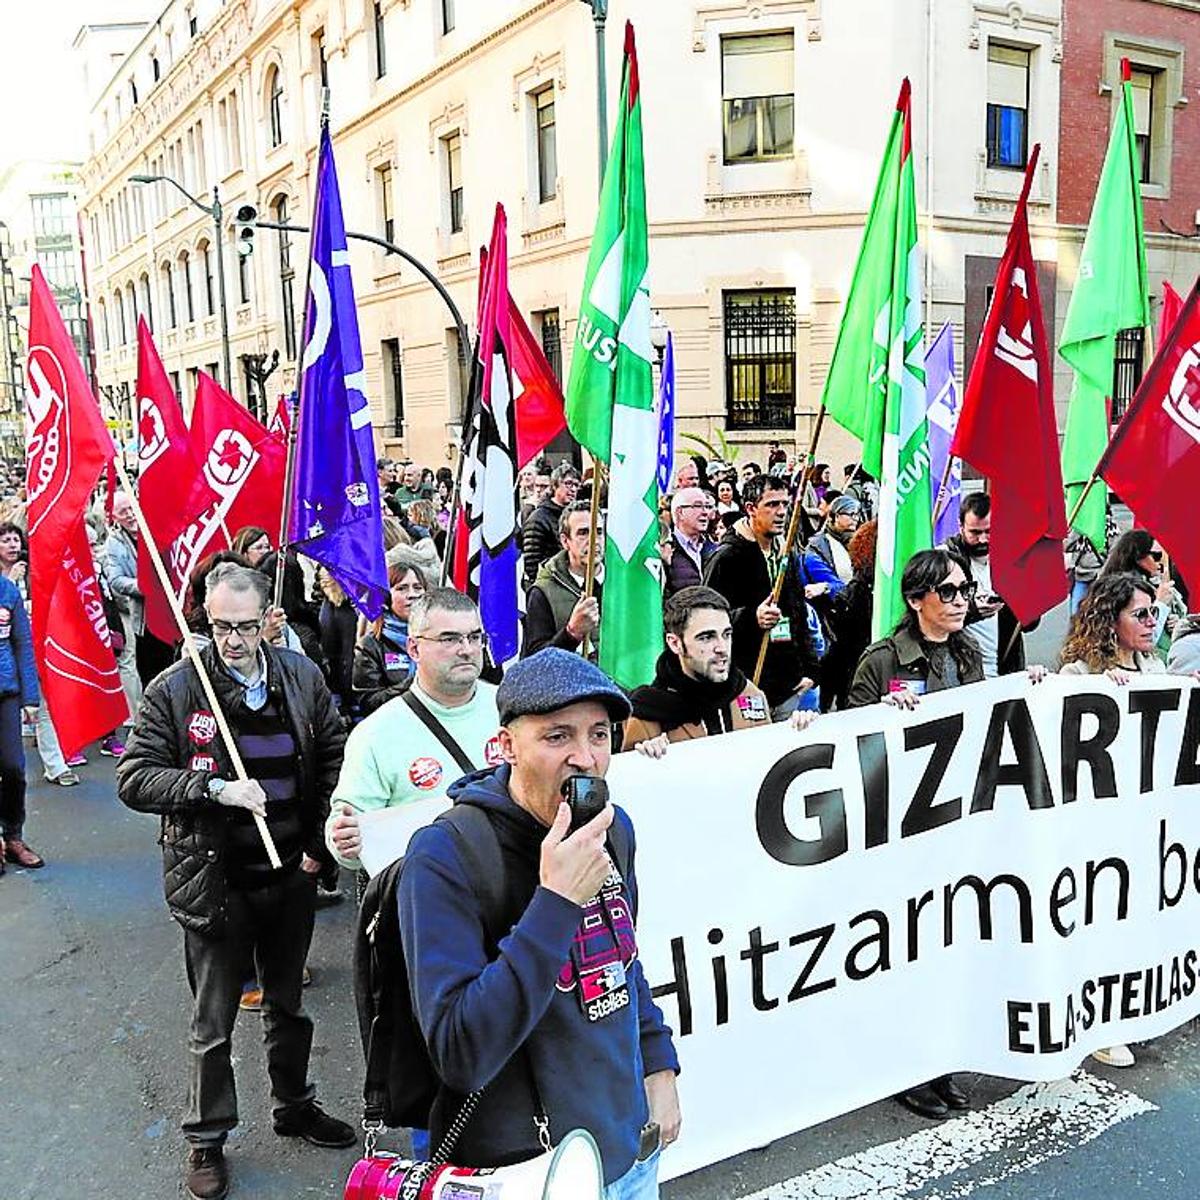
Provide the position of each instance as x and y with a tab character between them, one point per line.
944	404
336	518
666	417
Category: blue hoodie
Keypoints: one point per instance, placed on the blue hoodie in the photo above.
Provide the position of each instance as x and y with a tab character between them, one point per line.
475	1013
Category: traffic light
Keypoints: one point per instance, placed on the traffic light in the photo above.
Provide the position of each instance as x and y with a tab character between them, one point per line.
244	219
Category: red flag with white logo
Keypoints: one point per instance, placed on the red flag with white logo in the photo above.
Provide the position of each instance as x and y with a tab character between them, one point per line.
173	492
67	447
1007	430
242	461
1153	460
540	416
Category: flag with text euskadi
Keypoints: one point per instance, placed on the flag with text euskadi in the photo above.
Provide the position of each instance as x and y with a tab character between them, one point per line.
876	383
1110	295
610	396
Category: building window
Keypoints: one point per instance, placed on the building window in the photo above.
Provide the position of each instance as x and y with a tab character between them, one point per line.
193	378
155	68
175	386
550	332
1145	86
380	40
185	276
192	23
454	184
131	305
1127	369
168	285
147	301
1007	106
133	96
119	310
208	279
383	184
287	277
547	148
320	61
447	15
393	383
760	359
102	310
243	270
460	373
758	89
275	106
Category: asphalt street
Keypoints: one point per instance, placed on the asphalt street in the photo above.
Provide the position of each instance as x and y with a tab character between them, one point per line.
93	1075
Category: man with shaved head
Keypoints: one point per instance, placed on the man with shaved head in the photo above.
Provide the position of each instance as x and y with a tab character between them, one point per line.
693	512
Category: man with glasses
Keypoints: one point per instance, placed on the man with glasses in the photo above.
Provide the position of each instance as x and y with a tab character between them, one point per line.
693	512
539	536
417	744
237	911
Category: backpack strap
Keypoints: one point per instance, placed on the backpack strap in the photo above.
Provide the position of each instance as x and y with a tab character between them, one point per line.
476	838
422	713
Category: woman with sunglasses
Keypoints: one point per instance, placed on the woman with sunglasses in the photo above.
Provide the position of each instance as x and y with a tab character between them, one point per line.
1136	552
1112	634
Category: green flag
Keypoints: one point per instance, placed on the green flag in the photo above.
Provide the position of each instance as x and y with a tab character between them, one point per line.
610	397
1110	295
876	384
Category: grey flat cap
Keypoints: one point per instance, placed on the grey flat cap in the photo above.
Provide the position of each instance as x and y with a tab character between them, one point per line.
552	679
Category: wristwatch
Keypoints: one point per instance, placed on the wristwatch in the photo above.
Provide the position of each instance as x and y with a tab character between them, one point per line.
215	788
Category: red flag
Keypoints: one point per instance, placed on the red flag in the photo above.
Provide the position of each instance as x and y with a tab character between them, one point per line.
280	423
1172	306
243	462
540	414
1153	460
67	447
1007	430
171	488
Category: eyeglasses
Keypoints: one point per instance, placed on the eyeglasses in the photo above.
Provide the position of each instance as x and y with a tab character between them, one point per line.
1157	555
946	592
244	629
473	639
1143	616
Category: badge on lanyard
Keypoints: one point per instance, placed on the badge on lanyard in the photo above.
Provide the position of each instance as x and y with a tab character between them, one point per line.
782	631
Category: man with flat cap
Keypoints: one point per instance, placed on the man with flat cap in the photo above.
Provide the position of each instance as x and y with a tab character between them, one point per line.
553	1020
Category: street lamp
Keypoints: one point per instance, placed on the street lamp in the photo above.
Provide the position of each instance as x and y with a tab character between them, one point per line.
600	15
215	211
658	336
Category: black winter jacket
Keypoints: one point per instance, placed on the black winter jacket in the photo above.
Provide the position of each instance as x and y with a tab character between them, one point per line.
173	753
739	572
539	538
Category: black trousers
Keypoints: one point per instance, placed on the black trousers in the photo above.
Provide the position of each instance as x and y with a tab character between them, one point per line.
268	930
152	656
12	769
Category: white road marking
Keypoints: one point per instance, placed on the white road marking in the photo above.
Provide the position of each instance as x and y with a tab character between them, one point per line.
1038	1122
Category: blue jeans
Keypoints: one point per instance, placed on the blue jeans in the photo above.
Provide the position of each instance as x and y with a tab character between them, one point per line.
1079	589
640	1182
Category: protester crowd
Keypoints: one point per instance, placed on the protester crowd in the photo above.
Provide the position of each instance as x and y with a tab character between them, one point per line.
336	717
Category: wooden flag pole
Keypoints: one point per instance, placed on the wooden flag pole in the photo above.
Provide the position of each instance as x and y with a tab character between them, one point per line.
589	580
790	541
941	500
193	652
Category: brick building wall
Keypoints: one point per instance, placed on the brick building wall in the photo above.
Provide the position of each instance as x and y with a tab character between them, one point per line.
1162	36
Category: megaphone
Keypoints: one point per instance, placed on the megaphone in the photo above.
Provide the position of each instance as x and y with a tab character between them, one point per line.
571	1171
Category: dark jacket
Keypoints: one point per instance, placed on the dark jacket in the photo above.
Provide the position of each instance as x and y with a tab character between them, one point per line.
18	672
339	632
683	572
549	605
379	662
738	570
476	1007
685	708
1010	653
903	657
170	758
539	537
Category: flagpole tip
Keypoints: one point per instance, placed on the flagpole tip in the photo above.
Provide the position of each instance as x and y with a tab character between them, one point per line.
905	93
1126	71
630	46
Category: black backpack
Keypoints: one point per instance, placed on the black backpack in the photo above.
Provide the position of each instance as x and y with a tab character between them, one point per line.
401	1084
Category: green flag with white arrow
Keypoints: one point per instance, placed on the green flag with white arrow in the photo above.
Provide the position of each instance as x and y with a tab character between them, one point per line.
610	397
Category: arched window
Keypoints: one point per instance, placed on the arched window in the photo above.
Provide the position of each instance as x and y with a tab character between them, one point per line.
287	277
131	305
119	309
168	288
275	106
185	282
102	321
206	262
147	299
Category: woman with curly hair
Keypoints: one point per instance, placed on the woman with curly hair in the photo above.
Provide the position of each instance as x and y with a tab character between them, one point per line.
1136	552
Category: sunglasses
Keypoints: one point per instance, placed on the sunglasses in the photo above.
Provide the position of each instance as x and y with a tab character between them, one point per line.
1143	616
1156	555
946	592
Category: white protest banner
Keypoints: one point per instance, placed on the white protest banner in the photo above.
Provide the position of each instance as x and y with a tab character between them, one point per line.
1001	881
385	832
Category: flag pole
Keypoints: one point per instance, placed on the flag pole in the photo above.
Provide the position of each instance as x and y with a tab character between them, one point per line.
192	651
589	581
790	541
941	498
289	474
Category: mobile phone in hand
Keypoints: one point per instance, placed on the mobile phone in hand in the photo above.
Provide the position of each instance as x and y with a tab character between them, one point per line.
586	796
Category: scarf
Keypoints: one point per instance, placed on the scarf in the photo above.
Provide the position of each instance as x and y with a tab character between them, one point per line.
675	699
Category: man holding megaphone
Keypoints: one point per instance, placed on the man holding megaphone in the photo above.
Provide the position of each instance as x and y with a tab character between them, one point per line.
556	1024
